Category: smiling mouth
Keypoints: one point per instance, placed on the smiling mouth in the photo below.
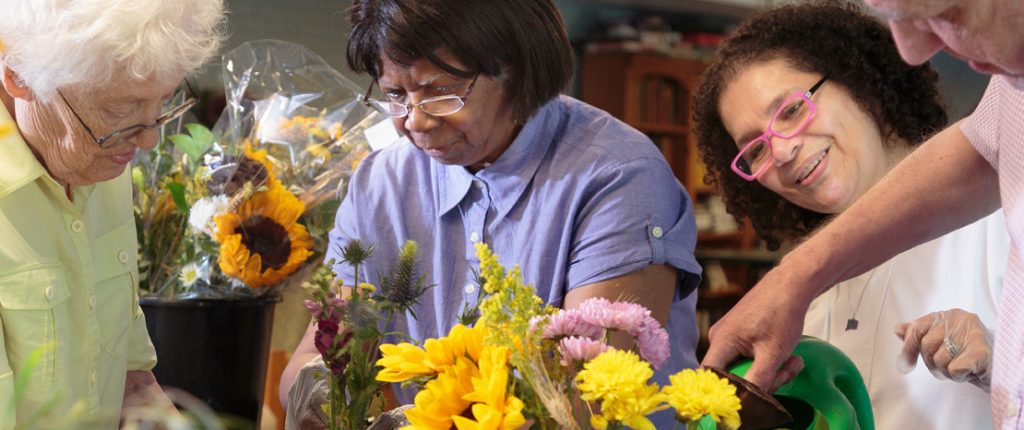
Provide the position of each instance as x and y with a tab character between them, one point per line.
811	166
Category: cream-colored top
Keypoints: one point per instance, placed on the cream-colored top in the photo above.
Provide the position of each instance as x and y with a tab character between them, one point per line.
963	269
68	291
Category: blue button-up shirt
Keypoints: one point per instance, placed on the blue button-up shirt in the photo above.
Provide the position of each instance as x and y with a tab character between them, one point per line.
577	198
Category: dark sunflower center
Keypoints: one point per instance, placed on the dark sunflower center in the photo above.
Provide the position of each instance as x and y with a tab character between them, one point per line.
267	238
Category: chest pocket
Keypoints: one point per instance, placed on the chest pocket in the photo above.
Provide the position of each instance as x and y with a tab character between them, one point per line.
36	320
114	300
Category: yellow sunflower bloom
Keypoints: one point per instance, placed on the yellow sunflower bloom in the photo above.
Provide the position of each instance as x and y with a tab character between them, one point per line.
493	407
618	380
261	242
461	341
402	362
695	393
441	399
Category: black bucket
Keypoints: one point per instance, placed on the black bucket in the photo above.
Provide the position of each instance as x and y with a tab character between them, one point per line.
215	350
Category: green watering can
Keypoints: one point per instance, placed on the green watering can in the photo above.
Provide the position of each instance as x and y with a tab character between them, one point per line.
829	394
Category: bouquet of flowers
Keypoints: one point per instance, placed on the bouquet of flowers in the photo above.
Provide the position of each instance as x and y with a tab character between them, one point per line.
525	363
233	211
349	330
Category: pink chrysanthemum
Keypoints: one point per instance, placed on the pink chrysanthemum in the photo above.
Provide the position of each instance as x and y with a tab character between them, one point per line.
652	342
571	322
576	348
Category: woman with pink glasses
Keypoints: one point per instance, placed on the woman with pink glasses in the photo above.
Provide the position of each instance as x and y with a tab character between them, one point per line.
807	107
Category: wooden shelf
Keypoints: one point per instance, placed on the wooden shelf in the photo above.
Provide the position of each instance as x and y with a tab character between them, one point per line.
669	129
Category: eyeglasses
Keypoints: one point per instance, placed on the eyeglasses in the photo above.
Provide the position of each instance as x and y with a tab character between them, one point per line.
790	120
120	136
435	106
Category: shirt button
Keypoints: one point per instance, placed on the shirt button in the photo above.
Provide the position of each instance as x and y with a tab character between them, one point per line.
122	257
474	237
1011	408
77	226
49	293
469	289
657	232
92	301
478	184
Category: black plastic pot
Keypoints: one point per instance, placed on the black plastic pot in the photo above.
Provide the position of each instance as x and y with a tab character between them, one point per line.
215	350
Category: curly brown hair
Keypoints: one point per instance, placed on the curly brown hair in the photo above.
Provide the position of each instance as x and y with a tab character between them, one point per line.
834	39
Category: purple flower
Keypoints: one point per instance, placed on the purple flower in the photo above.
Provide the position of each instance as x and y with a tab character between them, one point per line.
313	307
326	330
575	348
571	322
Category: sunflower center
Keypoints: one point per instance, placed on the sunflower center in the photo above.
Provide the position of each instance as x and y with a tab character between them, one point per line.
267	238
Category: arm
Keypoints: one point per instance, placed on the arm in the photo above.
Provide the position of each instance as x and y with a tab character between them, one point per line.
652	287
943	185
142	390
304	353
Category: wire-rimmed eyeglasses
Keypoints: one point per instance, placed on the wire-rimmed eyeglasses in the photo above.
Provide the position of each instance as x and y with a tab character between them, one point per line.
120	136
434	106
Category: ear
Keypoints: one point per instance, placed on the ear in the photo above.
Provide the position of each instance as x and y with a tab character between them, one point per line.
15	86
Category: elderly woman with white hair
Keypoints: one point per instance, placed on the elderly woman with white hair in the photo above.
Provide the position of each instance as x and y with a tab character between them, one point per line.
86	84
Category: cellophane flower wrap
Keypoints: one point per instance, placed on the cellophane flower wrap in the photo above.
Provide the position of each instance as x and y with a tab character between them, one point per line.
527	365
244	208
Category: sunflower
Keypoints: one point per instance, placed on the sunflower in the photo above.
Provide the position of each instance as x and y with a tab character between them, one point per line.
405	361
493	407
260	242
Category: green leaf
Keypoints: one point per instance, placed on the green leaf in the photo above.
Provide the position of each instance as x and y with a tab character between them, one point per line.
178	195
200	141
201	135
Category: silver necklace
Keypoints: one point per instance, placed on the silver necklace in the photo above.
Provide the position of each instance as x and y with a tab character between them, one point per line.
852	323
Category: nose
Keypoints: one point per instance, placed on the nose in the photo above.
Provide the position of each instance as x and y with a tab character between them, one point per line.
419	121
147	139
785	150
915	40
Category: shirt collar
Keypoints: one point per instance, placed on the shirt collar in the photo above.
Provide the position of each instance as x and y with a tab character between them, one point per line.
18	166
508	177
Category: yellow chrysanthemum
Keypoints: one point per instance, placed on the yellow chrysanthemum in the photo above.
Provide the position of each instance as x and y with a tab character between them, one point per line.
696	393
261	242
493	408
405	361
618	381
441	399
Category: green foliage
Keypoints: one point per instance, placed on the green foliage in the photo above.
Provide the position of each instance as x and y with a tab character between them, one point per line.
197	142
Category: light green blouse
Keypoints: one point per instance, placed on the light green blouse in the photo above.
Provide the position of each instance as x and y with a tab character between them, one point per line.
69	288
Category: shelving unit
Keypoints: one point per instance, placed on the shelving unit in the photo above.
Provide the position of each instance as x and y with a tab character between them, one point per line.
653	93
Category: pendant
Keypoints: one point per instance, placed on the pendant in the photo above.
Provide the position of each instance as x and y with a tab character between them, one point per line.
851	324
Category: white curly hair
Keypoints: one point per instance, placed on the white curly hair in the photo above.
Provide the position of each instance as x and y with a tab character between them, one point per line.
53	44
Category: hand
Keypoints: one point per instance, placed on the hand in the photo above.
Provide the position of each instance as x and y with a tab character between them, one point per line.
953	344
307	397
766	326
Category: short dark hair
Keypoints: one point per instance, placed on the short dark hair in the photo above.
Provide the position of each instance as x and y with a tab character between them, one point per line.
523	41
834	39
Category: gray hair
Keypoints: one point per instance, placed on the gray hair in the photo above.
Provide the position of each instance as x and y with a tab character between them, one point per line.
57	43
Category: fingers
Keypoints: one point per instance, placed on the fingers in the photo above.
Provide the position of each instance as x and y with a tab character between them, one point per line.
911	334
792	367
765	372
719	355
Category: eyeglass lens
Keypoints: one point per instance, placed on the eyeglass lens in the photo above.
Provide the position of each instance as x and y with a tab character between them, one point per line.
788	121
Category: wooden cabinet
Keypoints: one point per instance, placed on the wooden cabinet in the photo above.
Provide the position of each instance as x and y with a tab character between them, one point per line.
653	93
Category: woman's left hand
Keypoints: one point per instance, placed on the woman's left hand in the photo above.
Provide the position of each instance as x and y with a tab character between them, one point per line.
953	344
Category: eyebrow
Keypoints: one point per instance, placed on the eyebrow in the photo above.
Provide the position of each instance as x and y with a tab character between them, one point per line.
769	111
